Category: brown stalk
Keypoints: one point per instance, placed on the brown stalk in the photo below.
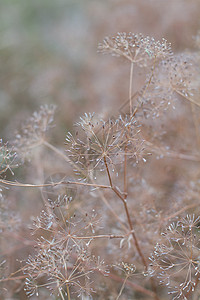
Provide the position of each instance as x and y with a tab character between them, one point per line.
118	193
133	285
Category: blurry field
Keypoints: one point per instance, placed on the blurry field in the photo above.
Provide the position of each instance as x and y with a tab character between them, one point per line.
48	52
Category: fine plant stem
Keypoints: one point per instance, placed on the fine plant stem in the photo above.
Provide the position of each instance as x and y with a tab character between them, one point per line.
16	183
122	288
131	88
125	173
68	293
60	153
61	295
180	211
110	236
132	285
117	192
108	172
187	97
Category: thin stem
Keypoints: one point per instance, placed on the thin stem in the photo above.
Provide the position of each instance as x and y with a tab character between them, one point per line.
108	172
117	192
61	295
122	287
68	293
180	211
132	285
125	173
131	88
62	155
110	236
187	97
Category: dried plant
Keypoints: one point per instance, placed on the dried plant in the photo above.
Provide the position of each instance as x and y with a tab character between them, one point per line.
136	48
106	143
63	260
103	232
176	258
32	133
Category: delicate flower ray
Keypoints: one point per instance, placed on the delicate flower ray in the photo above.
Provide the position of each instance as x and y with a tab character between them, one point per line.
105	140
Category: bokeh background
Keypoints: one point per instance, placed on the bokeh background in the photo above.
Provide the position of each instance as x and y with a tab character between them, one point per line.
48	53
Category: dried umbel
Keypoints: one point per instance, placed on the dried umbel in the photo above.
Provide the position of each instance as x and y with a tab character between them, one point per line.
136	48
176	259
33	131
63	262
61	267
104	143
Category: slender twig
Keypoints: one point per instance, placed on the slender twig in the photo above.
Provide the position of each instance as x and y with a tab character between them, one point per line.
180	211
122	287
61	294
125	173
124	200
131	88
68	293
110	236
17	183
132	285
117	192
187	97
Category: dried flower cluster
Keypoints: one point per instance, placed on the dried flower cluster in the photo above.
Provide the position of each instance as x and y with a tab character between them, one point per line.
176	259
63	260
136	48
105	142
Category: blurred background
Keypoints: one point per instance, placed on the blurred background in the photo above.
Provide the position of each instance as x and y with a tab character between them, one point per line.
48	53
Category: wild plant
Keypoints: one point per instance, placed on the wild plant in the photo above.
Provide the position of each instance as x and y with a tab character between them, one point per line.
104	231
